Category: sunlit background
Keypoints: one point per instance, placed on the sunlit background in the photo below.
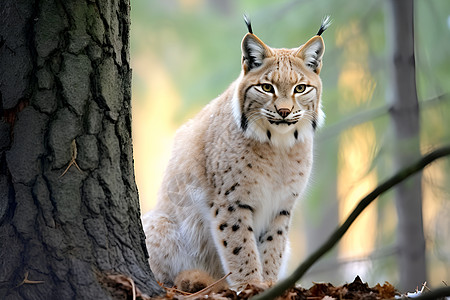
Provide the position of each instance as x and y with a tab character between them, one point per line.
186	52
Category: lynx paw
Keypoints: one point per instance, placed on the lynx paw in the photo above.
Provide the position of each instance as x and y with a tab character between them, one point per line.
192	281
255	286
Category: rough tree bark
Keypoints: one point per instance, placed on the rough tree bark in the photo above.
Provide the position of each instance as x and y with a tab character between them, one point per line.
65	97
405	119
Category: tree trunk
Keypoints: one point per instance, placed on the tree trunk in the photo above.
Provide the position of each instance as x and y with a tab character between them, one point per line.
65	103
405	119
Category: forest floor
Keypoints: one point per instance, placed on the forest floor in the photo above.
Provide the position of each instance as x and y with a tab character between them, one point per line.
326	291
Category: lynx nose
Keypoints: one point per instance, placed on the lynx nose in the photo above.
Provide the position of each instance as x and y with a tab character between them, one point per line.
283	112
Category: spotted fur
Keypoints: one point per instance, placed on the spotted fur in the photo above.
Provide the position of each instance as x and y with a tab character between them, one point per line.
237	169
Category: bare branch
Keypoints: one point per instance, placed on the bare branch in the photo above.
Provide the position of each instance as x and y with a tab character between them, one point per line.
403	174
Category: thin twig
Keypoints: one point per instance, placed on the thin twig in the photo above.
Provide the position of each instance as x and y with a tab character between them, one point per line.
27	281
133	287
424	286
434	294
208	287
174	290
285	284
73	161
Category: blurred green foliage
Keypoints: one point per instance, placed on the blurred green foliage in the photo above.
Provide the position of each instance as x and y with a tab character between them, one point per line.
198	42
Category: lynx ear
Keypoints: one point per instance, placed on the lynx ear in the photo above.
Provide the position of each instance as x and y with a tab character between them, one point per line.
312	53
253	52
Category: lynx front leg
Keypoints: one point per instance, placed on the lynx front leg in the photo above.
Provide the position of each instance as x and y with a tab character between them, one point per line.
272	246
235	241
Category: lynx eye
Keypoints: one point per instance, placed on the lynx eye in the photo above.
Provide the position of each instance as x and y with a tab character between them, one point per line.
267	88
300	88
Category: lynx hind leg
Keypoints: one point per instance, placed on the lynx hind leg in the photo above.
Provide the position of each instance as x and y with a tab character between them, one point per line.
195	280
166	257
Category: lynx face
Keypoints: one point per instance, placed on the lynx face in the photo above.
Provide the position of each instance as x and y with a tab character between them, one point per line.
278	95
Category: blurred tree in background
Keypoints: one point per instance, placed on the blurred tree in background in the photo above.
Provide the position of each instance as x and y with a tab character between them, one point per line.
186	52
405	115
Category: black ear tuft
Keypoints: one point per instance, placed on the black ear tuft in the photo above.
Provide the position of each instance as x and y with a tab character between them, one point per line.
249	23
326	22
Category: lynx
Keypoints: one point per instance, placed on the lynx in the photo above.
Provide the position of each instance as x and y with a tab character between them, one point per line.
237	169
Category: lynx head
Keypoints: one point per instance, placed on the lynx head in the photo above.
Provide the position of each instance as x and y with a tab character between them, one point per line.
277	97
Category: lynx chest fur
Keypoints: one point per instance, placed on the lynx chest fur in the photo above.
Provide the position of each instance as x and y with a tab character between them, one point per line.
237	169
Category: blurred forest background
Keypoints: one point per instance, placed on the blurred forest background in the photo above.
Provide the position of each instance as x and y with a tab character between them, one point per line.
186	52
